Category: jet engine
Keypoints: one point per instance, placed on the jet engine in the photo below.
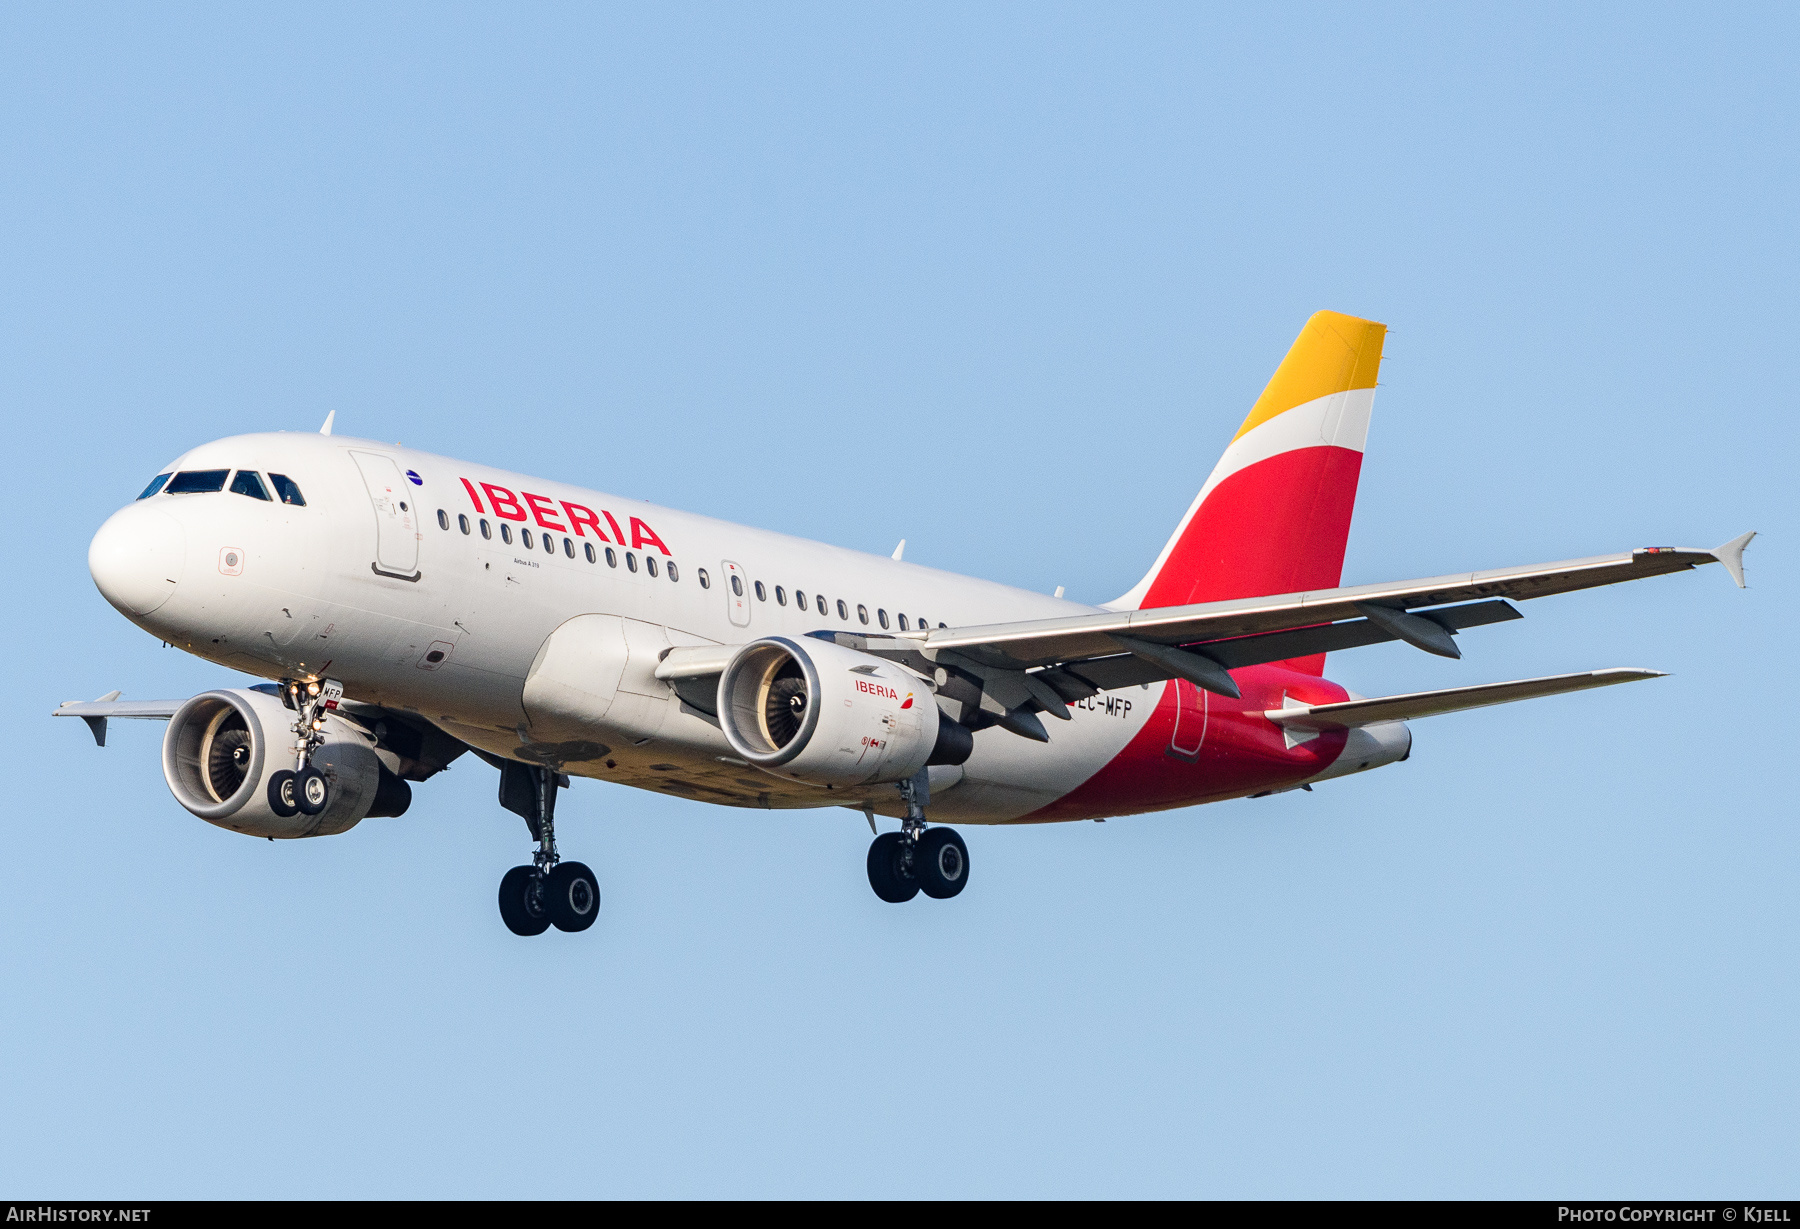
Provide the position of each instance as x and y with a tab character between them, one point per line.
223	746
827	715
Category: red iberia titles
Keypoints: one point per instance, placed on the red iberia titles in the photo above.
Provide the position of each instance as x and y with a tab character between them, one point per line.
552	514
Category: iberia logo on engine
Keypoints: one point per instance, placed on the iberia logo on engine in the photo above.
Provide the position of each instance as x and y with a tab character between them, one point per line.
880	689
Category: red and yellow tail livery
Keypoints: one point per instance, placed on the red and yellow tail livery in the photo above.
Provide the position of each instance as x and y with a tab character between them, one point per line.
1275	514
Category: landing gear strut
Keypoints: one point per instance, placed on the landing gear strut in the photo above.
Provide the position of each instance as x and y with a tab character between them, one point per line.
305	790
917	859
549	892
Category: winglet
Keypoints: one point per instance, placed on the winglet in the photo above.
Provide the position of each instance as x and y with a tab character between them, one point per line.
1732	556
97	725
900	550
326	429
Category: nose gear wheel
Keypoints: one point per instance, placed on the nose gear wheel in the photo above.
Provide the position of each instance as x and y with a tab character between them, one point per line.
305	790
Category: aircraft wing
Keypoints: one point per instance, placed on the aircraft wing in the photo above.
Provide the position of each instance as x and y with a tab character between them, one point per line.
143	710
1010	671
96	712
1452	700
1050	642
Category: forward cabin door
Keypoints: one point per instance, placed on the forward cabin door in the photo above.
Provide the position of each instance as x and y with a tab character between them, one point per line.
396	520
737	594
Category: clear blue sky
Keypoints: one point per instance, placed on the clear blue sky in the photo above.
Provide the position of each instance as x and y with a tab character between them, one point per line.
1001	282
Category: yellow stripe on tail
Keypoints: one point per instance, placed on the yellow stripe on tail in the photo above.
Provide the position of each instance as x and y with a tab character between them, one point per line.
1333	354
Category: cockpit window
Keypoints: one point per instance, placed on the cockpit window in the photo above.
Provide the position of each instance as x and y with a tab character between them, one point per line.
287	491
247	483
198	481
156	484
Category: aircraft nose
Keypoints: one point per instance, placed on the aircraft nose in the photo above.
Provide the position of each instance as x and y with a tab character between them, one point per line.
137	557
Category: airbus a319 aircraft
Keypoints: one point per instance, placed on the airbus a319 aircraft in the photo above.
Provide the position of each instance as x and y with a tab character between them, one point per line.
409	608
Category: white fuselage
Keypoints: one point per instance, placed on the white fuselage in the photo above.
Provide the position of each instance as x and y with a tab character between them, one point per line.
448	623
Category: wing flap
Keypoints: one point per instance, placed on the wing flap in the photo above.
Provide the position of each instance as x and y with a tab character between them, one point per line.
1452	700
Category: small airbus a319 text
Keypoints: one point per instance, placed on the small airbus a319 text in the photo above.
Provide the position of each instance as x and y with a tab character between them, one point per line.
408	609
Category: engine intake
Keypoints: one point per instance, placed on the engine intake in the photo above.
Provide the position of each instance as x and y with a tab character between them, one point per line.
828	715
223	746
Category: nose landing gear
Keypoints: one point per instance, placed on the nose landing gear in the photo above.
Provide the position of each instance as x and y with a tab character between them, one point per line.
305	790
917	859
549	892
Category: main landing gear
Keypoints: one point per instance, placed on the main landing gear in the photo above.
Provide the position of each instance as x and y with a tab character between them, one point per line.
305	790
917	859
549	892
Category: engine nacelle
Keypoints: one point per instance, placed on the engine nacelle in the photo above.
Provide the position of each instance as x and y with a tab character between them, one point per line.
826	715
223	746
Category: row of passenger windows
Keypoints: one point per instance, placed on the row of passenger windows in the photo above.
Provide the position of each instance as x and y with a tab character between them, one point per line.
824	605
205	481
530	541
801	600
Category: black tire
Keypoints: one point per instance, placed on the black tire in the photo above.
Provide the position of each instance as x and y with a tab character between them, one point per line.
572	896
312	792
887	869
522	906
284	794
942	863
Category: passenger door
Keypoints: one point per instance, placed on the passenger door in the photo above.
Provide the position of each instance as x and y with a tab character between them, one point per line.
396	520
1191	713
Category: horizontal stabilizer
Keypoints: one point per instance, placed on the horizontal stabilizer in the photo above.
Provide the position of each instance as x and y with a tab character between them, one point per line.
1455	699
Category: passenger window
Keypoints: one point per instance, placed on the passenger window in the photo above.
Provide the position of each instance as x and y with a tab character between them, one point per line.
247	483
506	533
286	491
569	547
486	529
673	574
705	580
824	606
589	548
800	598
940	624
903	623
198	481
630	562
737	586
862	613
156	484
780	596
650	564
462	523
612	560
881	616
549	545
525	537
844	611
762	594
443	517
